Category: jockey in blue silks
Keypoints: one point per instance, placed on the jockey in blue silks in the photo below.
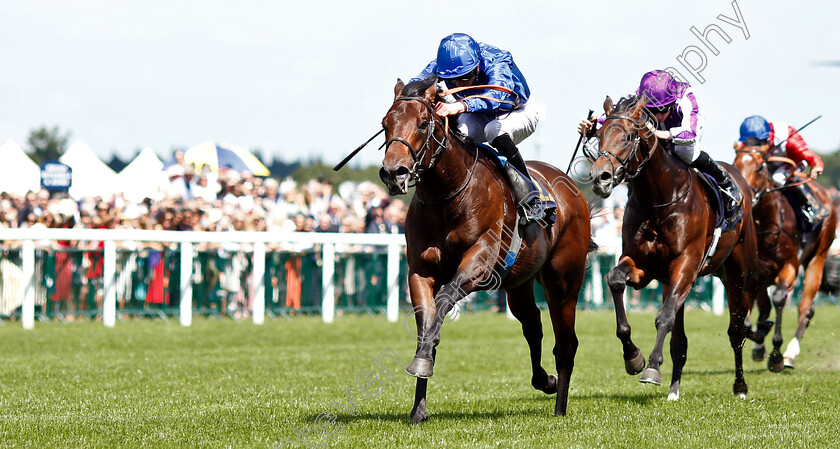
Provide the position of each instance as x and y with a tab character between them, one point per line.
461	61
680	120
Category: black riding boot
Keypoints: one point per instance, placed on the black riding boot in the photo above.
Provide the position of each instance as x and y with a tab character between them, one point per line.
705	164
527	201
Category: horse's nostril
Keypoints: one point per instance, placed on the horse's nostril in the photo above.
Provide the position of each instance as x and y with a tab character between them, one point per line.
383	175
401	171
605	176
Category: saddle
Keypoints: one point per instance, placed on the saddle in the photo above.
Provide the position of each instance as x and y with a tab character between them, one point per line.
722	220
547	201
810	212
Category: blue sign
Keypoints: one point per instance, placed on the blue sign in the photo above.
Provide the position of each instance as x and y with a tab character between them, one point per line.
56	176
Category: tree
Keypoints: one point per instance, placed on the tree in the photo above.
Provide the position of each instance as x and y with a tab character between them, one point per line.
47	144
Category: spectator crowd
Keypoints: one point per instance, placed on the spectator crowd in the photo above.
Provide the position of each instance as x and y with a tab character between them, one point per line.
204	200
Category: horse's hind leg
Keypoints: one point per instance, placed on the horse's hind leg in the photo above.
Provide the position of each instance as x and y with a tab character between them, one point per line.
523	307
813	278
679	351
617	279
562	301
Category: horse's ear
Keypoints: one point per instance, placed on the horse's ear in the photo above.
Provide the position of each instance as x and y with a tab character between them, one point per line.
431	94
639	107
398	88
608	105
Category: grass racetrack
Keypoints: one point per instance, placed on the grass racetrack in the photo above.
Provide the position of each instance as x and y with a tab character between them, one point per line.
232	384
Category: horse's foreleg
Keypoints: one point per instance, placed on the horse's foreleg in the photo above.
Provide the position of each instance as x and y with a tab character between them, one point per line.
739	301
813	278
418	413
762	327
474	272
617	279
784	290
523	307
682	278
422	298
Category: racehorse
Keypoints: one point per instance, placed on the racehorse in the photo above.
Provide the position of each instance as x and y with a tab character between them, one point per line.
780	240
668	227
459	229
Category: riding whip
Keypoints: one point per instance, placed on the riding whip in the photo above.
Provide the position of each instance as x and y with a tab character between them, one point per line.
797	131
588	117
356	151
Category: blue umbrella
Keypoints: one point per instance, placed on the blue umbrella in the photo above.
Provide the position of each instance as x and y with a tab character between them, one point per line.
218	156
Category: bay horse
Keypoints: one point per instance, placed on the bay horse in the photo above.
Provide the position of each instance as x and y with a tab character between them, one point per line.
782	251
458	235
668	225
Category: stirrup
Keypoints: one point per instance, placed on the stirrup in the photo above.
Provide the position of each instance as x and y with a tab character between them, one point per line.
531	211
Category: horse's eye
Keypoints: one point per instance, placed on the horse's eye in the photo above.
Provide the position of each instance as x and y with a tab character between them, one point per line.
423	126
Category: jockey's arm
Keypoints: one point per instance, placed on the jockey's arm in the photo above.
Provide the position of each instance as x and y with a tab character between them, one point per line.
798	150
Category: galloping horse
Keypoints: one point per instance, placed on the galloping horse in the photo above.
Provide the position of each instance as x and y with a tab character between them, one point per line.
459	231
667	230
779	241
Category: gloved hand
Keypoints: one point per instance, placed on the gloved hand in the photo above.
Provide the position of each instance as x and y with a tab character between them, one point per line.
585	125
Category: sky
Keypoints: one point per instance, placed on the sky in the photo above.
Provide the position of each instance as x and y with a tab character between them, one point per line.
305	80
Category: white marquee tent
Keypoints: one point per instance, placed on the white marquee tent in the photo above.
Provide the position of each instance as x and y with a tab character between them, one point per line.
18	173
143	177
91	176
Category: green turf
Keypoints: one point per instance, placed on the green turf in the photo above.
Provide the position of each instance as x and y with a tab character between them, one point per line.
232	384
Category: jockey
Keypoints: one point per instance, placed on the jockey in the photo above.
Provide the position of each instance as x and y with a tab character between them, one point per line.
680	120
461	61
756	130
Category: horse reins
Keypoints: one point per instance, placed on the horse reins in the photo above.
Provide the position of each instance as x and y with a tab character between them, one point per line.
416	171
758	194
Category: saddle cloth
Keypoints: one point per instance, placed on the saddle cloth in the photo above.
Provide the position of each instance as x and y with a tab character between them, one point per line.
719	204
810	223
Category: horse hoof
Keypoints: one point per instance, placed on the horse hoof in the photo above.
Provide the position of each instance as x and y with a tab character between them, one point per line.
418	418
419	367
551	386
789	363
673	396
759	352
651	376
776	363
636	364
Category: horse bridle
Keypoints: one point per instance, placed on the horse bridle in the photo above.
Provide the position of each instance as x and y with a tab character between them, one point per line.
757	194
623	163
641	164
415	172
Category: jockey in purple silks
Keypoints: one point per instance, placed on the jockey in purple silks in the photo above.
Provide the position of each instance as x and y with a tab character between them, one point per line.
680	120
461	61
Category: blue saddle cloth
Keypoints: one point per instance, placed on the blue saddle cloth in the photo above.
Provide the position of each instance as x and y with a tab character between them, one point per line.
548	202
719	204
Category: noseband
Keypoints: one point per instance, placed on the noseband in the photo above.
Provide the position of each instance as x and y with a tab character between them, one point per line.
416	171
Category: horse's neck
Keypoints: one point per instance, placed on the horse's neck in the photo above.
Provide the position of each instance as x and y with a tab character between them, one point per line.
449	174
663	179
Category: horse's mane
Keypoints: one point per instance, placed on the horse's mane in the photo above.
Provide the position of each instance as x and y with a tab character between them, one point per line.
626	104
417	88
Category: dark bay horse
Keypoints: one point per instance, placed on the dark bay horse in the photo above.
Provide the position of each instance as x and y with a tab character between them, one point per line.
459	229
668	227
782	251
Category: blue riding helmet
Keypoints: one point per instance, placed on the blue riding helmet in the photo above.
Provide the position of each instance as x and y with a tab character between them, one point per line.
754	126
457	56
